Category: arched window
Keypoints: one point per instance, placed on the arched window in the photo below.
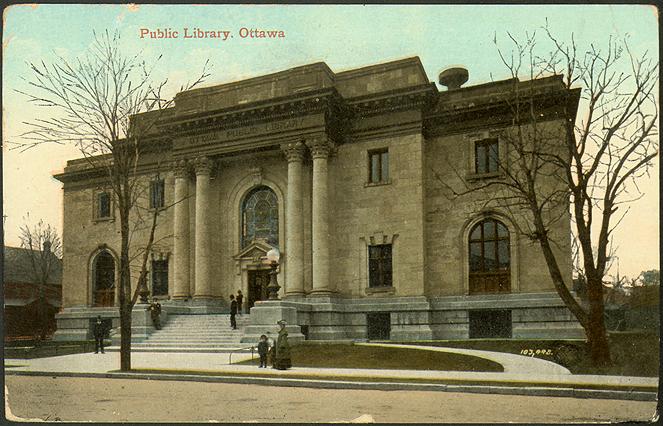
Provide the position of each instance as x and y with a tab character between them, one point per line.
104	279
260	217
489	257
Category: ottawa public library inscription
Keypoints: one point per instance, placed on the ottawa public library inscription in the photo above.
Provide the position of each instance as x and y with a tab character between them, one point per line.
241	132
202	33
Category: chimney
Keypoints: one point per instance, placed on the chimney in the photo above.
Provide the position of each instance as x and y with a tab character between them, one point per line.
453	77
47	246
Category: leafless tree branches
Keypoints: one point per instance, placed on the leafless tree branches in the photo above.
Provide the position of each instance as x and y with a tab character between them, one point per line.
592	159
109	105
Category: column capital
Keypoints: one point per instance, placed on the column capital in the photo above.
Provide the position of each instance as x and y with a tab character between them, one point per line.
319	147
294	151
203	165
181	168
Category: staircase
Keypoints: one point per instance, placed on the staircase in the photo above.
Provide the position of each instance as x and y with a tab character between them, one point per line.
194	333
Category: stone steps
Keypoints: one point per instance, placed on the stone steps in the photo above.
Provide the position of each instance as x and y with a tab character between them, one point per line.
195	333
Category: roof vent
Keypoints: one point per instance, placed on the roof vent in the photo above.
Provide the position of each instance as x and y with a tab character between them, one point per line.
454	77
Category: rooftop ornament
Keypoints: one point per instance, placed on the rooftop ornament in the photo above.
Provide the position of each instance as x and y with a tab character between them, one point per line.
454	77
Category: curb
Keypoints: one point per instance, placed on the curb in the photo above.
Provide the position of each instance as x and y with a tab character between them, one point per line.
385	386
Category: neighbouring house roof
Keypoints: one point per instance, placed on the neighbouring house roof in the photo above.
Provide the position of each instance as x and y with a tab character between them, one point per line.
18	278
17	267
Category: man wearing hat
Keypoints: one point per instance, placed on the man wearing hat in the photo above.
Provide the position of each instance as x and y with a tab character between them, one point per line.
282	360
99	331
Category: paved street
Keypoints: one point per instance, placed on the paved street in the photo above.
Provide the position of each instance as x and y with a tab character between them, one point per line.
120	400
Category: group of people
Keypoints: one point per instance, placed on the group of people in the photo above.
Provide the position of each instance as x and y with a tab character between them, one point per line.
277	354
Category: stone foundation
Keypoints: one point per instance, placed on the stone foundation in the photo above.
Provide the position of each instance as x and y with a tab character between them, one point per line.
533	315
334	318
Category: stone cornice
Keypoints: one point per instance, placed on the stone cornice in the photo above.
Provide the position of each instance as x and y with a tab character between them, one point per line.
327	100
419	97
498	111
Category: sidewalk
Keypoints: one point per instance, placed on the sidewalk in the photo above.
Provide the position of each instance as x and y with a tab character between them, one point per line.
214	367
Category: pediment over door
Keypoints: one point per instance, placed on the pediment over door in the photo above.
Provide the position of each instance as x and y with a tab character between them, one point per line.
254	252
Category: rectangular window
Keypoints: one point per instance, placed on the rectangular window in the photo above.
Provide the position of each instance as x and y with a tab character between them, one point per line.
159	277
490	324
378	326
486	156
378	166
157	194
379	266
103	205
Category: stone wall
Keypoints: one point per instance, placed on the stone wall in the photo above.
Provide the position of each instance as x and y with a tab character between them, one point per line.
363	214
449	161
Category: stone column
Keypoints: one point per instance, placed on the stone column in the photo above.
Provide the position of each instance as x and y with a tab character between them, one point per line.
203	258
320	232
294	232
181	289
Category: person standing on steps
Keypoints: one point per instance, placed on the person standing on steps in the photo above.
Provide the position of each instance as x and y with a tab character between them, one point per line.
155	313
240	299
99	331
233	312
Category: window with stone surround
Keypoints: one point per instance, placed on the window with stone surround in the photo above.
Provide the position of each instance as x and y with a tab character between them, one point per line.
379	266
378	166
157	187
159	277
486	156
103	205
489	258
260	217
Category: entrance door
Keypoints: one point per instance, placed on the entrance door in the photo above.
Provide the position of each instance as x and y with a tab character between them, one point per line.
258	281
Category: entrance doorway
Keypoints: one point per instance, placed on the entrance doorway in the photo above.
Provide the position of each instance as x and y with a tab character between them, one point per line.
104	280
258	281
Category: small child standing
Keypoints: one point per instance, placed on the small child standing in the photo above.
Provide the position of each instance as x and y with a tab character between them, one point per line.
263	347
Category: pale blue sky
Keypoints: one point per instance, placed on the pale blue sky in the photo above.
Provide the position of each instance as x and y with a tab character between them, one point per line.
344	37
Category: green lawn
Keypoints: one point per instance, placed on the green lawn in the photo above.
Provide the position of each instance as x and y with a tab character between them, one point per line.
354	356
633	354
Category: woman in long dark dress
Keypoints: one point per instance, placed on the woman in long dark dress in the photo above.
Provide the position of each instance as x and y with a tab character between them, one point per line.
282	361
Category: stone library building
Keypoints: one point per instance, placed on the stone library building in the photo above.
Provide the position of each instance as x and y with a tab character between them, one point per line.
343	175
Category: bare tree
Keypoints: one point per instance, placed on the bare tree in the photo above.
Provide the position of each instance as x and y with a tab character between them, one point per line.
43	251
108	105
590	155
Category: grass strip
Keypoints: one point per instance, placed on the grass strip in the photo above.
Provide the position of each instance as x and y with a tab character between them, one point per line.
355	378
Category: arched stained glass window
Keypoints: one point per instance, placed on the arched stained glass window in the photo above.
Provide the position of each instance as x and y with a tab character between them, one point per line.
260	217
489	257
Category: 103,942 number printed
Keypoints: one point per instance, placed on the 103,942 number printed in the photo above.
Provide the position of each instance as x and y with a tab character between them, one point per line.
534	352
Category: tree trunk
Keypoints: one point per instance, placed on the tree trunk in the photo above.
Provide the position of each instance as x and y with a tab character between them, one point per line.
125	285
597	338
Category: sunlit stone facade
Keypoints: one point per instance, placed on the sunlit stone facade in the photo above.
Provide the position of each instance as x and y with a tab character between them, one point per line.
342	172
